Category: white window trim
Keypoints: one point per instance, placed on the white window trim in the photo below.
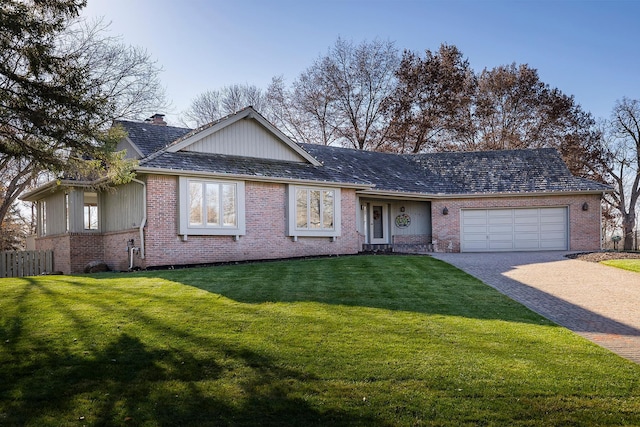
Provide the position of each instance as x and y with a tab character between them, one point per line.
292	229
42	207
184	229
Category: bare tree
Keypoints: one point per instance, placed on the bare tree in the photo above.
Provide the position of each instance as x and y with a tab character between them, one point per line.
306	113
622	151
340	97
214	104
358	79
62	83
125	77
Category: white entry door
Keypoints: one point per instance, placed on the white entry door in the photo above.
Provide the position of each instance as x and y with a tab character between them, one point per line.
528	229
378	223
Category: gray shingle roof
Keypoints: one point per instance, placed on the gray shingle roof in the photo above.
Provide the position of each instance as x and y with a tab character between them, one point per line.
246	166
455	173
464	173
150	138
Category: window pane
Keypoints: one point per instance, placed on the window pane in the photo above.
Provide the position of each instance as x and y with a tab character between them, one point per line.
195	203
90	211
301	209
43	217
66	211
213	204
327	209
229	204
314	211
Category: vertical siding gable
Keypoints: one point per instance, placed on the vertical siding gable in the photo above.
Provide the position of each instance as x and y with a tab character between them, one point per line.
132	151
245	138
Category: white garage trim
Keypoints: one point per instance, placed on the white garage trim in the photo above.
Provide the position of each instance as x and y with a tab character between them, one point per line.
514	229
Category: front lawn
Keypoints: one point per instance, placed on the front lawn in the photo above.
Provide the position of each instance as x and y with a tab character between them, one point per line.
363	340
625	264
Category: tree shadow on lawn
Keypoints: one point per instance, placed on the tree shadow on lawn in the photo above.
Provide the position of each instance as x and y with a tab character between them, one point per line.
130	383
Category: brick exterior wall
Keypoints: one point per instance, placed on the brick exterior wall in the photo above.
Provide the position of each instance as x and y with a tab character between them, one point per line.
584	226
85	247
265	238
115	249
266	222
73	251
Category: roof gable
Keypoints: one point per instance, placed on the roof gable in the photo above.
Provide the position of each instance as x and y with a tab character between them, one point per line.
245	133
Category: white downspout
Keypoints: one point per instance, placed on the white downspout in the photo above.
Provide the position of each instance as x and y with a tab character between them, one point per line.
143	222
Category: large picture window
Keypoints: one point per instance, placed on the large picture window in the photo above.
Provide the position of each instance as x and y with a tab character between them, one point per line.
212	204
211	207
314	211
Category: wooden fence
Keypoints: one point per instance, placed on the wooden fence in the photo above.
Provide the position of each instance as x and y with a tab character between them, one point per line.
25	263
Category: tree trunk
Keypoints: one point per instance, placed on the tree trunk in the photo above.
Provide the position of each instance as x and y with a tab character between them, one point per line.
628	223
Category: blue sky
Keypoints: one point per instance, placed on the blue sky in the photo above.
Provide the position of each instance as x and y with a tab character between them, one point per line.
588	49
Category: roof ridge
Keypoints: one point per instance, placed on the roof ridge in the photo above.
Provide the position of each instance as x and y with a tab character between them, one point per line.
139	122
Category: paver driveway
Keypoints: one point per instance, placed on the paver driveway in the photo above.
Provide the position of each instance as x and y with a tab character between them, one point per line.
600	303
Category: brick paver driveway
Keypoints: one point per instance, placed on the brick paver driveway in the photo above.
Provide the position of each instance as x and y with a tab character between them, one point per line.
598	302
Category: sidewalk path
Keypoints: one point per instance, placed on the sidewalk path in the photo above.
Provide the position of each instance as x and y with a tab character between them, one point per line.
600	303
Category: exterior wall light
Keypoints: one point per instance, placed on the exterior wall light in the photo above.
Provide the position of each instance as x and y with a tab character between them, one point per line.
445	211
585	206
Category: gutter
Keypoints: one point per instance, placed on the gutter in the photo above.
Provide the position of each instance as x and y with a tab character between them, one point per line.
143	221
422	196
51	186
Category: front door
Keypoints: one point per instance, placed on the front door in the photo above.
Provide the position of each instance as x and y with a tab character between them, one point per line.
378	224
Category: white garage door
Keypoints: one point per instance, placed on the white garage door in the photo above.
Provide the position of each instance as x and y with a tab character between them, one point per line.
530	229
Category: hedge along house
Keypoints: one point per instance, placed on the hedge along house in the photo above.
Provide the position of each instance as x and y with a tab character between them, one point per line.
238	189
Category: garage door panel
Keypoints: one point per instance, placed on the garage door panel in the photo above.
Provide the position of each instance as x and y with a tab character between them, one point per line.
526	236
476	221
551	220
550	236
501	245
514	229
476	246
552	211
476	237
525	212
526	220
552	228
471	229
476	214
501	236
527	228
499	229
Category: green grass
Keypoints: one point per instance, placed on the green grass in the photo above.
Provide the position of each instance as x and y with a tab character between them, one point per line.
625	264
366	340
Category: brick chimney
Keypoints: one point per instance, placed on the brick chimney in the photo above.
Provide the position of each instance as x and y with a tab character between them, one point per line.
157	119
